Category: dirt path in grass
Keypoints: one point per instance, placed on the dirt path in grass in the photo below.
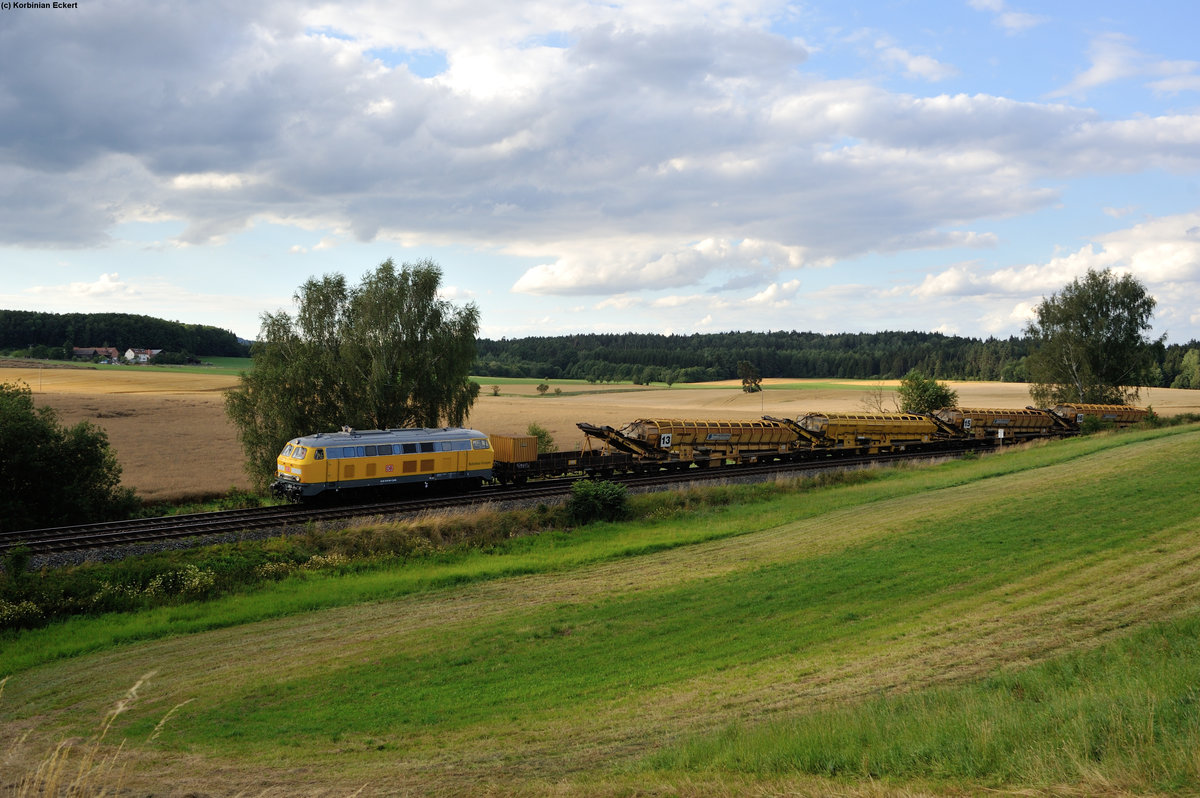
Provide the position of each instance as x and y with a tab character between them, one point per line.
947	639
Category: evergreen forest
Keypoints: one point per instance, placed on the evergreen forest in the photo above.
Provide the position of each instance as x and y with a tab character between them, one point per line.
644	358
52	335
640	358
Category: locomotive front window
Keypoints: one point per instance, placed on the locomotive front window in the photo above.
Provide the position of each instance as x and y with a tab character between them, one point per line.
287	451
480	443
300	452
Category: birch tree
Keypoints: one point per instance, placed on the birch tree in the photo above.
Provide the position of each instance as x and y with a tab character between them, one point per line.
386	353
1090	342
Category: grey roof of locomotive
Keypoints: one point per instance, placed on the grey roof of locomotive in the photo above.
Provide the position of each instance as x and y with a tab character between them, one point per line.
374	436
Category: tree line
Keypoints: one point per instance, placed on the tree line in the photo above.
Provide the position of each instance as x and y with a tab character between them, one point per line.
52	335
645	357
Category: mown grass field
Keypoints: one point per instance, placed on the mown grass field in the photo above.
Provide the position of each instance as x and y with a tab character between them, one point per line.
1021	624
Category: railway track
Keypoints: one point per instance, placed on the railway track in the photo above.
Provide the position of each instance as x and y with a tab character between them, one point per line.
203	526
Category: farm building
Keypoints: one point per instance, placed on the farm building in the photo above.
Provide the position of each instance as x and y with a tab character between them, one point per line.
141	355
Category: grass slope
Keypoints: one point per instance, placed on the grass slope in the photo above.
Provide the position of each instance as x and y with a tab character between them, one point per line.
880	631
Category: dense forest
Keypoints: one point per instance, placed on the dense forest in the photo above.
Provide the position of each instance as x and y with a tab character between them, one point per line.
36	334
645	358
625	357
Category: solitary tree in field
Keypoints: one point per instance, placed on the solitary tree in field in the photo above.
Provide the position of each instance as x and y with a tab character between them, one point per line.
1090	341
385	353
748	373
920	394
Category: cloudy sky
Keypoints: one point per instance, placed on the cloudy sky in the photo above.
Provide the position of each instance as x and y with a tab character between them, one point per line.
691	166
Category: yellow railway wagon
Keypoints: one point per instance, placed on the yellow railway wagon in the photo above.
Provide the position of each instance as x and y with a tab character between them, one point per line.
1120	415
871	432
515	448
712	441
358	459
1001	424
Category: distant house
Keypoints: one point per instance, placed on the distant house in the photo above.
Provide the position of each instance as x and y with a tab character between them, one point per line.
109	353
140	355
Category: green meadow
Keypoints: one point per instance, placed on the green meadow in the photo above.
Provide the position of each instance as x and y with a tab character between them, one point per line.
1023	623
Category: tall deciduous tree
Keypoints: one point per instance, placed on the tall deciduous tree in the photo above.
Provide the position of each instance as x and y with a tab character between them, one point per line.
1090	341
920	394
386	353
51	475
1189	374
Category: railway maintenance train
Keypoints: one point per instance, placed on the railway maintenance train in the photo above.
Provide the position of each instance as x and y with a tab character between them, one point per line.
352	461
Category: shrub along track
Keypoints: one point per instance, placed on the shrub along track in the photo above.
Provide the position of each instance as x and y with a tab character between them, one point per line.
956	632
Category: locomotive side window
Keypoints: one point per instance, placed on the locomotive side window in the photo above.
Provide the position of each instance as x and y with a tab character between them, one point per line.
410	448
427	446
371	451
333	452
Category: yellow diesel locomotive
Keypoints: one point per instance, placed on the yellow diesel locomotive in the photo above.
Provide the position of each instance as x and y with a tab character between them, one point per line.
355	459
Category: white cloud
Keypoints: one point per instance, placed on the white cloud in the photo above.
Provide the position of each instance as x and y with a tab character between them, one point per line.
210	181
1113	58
105	287
595	271
922	67
1164	254
1011	21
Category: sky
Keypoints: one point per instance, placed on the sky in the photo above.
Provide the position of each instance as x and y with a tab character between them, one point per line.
574	167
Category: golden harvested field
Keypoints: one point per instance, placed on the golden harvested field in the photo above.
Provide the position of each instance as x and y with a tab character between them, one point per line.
173	440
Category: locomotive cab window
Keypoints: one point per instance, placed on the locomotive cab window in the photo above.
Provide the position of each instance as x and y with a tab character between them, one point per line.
318	454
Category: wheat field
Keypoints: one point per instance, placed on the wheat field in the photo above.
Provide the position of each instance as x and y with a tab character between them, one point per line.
174	442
